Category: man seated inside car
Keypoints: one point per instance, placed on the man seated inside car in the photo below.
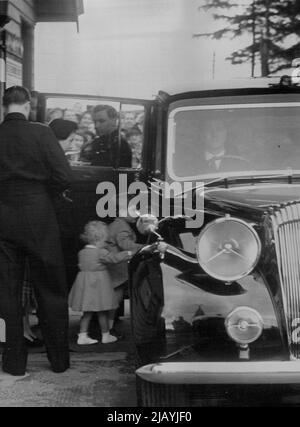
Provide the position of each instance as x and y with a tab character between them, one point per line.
219	155
106	148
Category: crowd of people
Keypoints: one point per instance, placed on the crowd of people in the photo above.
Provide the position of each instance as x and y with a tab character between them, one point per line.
96	129
33	171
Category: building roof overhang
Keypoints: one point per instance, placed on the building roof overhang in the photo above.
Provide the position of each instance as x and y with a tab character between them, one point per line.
58	10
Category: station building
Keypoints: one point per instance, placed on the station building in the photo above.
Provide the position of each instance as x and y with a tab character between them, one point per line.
17	22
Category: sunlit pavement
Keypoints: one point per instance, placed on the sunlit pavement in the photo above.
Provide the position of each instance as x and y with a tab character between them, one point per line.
100	375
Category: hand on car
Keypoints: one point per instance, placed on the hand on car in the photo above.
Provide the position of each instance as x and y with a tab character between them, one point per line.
162	247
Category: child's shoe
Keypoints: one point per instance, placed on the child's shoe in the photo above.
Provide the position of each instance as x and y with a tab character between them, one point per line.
107	338
116	334
84	339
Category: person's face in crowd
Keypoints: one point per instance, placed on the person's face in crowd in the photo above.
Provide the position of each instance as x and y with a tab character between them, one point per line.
215	135
77	108
103	123
70	115
87	123
66	144
135	140
77	142
129	121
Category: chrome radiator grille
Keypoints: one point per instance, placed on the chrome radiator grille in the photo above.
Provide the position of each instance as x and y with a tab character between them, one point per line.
286	227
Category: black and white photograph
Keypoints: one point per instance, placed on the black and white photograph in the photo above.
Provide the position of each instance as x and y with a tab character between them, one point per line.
150	206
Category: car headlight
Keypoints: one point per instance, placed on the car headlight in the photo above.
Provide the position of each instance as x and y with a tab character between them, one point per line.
244	325
228	249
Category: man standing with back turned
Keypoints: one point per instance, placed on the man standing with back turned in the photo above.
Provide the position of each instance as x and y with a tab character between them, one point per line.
33	168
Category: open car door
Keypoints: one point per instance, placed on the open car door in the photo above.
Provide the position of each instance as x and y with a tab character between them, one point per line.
133	126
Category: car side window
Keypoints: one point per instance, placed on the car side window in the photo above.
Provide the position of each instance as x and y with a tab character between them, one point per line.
95	136
132	127
109	133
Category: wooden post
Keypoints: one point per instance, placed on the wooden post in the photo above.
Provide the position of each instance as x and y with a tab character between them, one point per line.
2	73
253	38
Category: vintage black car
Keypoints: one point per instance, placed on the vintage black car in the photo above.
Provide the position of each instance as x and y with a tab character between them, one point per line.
216	320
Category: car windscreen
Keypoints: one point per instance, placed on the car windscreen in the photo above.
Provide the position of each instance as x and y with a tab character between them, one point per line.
233	139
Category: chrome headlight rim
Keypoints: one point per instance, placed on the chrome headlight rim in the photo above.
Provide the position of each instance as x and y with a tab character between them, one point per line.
225	219
260	325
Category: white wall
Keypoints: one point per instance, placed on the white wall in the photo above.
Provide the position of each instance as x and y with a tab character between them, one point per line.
125	47
132	48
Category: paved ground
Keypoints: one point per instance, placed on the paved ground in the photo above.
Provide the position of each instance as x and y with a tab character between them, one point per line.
102	375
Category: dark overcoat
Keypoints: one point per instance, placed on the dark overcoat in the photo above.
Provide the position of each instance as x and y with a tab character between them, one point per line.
33	169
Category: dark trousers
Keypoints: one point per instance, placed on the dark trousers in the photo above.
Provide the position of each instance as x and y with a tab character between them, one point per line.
28	228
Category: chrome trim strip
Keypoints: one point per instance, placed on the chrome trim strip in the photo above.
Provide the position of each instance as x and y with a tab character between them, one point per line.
174	251
277	372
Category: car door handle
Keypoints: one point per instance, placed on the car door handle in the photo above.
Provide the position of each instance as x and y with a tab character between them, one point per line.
67	196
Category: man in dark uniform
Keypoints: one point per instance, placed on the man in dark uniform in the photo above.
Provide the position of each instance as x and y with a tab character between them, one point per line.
33	169
107	147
